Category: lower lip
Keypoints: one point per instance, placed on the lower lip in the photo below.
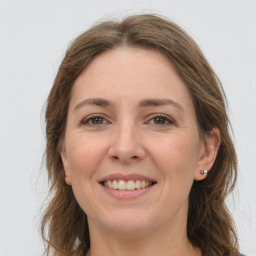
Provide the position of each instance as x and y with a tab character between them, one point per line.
127	194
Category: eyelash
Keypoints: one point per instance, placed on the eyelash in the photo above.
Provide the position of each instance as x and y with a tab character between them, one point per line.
88	121
165	118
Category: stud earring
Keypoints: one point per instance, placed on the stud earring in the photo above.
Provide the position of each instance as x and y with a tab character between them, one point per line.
204	172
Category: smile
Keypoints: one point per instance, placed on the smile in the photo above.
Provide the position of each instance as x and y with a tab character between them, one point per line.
129	185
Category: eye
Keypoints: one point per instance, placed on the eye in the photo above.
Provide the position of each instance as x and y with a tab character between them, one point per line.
161	120
95	120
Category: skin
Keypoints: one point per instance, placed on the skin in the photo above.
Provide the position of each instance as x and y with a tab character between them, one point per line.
128	138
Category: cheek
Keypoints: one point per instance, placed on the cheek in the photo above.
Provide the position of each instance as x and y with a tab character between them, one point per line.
84	155
176	157
175	161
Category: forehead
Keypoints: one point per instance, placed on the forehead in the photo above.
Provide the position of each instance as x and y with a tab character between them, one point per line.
130	73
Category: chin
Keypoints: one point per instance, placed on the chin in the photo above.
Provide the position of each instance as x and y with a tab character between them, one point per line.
128	222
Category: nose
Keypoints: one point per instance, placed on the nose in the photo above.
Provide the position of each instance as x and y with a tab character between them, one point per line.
126	145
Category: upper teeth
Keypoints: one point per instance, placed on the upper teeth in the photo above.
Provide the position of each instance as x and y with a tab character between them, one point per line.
127	185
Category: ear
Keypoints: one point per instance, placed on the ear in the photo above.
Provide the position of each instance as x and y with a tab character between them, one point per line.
207	153
65	164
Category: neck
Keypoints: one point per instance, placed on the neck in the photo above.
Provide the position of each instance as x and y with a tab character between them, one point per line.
164	242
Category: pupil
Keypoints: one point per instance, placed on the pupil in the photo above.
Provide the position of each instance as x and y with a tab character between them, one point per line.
160	120
97	120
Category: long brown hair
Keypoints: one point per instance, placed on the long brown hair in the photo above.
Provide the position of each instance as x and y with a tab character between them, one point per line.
210	227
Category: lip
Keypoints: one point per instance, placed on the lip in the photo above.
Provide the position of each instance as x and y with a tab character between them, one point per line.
126	194
126	177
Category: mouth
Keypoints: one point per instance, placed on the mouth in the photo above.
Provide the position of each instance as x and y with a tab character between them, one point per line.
127	185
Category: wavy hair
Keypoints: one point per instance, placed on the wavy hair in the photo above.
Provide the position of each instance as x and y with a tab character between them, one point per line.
210	227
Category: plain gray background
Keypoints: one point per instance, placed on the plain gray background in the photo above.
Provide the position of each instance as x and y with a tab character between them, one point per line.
33	39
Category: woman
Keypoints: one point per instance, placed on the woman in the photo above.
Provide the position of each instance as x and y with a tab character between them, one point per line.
138	153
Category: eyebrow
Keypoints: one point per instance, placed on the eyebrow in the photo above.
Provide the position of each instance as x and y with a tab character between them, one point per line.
160	102
93	101
144	103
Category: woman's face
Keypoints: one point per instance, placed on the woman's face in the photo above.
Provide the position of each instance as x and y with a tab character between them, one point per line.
132	149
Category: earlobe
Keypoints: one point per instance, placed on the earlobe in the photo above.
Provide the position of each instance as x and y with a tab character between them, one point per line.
65	166
67	180
208	154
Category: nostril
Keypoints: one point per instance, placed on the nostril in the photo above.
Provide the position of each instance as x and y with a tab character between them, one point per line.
114	157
